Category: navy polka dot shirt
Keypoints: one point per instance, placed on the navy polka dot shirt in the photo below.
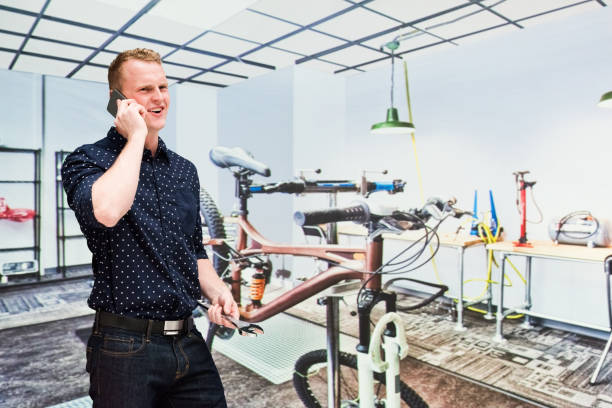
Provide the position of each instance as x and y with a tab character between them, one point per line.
146	265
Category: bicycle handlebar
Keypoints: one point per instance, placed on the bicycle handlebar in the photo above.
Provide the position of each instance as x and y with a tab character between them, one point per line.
326	186
358	213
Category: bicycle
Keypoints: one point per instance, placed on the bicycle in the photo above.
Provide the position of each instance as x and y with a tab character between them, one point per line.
345	263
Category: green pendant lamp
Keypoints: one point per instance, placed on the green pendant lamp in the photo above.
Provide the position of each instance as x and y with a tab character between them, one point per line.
606	100
392	126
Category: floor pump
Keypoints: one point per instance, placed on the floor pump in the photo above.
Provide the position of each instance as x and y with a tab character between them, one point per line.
521	202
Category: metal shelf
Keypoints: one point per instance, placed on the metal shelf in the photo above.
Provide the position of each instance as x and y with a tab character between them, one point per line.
35	182
60	214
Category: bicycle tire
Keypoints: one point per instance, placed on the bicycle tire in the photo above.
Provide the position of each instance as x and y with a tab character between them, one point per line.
310	382
212	226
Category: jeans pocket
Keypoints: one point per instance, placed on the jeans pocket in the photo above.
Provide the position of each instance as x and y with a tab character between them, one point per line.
90	352
122	344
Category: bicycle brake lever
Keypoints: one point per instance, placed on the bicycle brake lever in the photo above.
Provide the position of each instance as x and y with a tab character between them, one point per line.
244	328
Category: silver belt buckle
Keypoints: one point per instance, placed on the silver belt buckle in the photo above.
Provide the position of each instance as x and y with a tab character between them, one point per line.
173	327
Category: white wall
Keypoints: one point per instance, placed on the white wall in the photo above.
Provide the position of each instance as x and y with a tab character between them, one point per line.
258	115
196	130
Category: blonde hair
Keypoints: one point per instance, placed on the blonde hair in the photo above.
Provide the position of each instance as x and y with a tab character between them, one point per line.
114	70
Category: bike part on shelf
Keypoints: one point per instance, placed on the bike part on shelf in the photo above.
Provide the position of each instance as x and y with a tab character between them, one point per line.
244	328
310	382
15	214
213	222
358	213
225	157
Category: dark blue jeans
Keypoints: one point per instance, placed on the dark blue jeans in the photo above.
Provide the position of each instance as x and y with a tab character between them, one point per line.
129	370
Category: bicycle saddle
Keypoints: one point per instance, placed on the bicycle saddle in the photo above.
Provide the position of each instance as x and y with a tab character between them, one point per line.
225	157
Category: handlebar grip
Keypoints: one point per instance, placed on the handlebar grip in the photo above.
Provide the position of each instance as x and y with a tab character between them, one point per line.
358	213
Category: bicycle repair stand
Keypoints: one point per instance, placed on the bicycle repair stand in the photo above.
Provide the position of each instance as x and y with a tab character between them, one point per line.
365	366
332	304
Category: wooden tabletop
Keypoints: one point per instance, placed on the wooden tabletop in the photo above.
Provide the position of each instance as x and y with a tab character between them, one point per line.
446	239
550	249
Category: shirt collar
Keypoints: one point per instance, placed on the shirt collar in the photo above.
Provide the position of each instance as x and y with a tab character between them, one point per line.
117	140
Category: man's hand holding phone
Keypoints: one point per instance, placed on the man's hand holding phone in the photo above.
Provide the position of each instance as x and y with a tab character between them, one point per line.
129	115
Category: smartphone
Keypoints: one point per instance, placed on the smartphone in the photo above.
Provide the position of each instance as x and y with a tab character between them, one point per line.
112	103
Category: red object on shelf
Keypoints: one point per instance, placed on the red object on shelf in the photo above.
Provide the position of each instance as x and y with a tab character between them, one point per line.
15	214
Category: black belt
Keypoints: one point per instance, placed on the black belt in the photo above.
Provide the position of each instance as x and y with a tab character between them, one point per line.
166	328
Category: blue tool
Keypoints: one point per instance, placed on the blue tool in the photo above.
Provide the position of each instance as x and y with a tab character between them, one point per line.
494	220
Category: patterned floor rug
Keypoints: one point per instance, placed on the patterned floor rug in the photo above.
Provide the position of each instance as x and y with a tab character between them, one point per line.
547	366
44	303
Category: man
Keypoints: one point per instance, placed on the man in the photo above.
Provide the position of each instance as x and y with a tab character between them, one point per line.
137	204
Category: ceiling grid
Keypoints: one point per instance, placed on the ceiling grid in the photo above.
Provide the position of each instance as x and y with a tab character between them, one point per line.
230	42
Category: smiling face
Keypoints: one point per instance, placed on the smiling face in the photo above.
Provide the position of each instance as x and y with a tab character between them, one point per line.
146	83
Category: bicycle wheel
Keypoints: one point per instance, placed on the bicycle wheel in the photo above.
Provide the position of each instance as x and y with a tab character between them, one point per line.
310	382
212	226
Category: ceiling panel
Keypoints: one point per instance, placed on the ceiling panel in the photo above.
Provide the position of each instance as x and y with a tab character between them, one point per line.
516	9
196	60
466	20
161	28
70	33
319	65
274	57
104	57
287	10
356	24
255	27
240	68
580	8
89	73
5	59
11	41
15	22
308	42
222	44
58	50
412	10
90	12
30	5
218	78
43	66
120	44
353	55
178	71
198	13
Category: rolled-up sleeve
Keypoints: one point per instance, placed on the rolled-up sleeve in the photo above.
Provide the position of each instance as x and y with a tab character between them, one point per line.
79	173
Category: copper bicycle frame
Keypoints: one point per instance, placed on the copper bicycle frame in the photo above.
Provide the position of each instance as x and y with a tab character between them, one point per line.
355	260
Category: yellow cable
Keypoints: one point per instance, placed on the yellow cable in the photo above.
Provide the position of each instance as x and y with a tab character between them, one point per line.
489	236
418	168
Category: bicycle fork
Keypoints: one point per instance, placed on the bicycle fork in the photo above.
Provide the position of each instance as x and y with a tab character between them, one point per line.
391	328
396	348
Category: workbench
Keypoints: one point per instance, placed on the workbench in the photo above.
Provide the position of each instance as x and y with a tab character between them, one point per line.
550	250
